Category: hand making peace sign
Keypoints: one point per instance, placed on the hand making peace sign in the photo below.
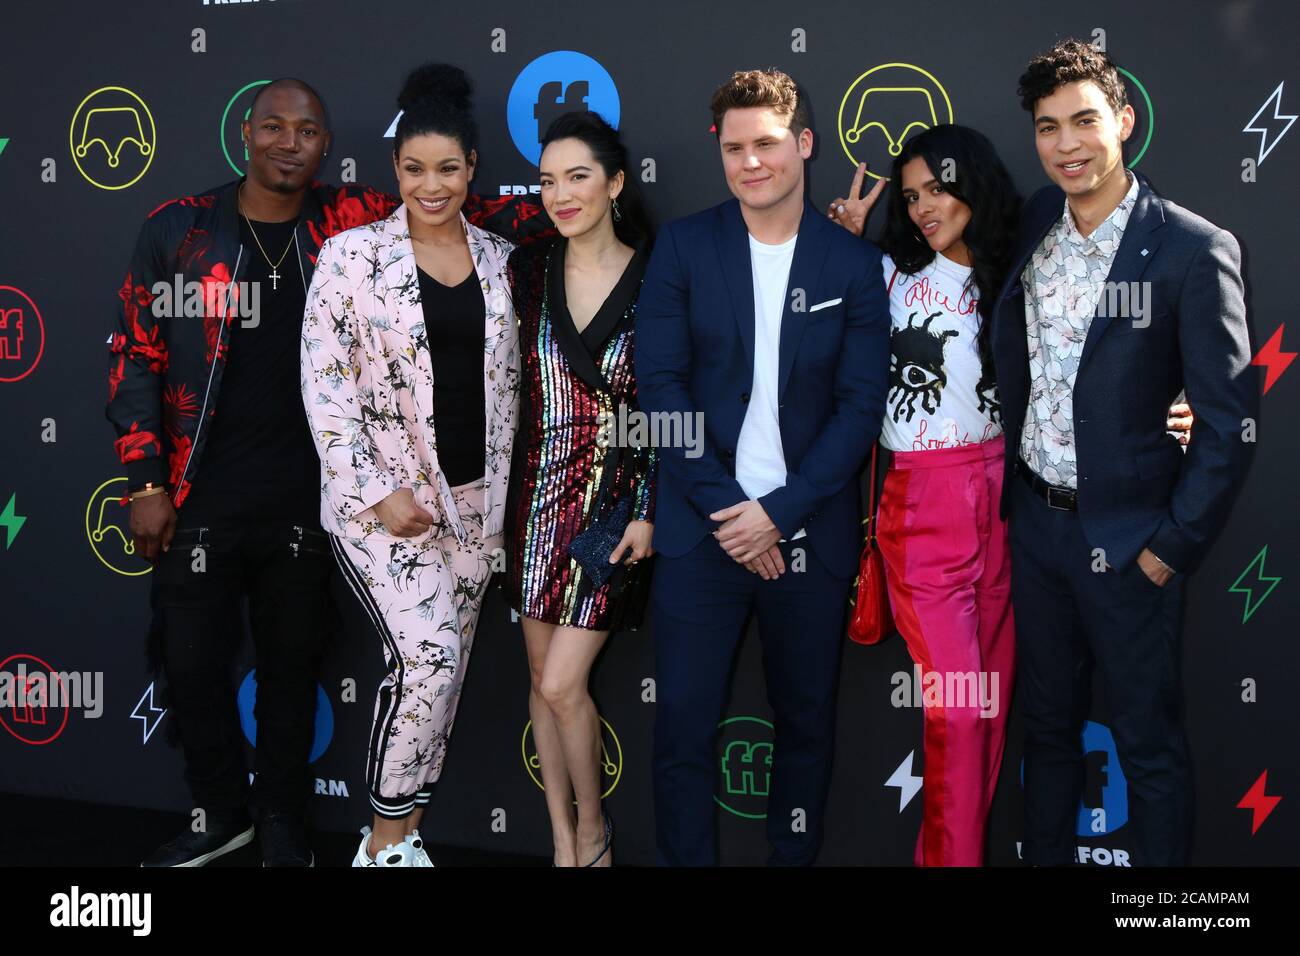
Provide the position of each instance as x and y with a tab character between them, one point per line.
851	213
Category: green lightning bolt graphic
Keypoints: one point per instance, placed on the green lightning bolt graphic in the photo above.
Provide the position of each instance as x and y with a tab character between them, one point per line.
11	522
1251	586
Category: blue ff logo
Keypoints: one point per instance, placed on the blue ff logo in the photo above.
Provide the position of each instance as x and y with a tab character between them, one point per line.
554	84
1103	807
1104	785
324	716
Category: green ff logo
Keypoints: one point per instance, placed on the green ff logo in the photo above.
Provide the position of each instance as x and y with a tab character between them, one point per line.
745	766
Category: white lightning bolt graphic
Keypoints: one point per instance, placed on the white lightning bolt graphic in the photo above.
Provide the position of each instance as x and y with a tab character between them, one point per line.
1265	147
907	783
148	730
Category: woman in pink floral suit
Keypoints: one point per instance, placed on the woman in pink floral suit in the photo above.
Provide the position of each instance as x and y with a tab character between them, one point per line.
410	372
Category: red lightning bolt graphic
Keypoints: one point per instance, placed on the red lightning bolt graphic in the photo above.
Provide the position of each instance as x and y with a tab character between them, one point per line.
1258	803
1273	358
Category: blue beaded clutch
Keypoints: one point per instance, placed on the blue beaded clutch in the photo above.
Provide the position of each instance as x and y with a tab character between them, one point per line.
591	548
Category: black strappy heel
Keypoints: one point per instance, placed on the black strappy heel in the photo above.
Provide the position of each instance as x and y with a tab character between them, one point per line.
609	838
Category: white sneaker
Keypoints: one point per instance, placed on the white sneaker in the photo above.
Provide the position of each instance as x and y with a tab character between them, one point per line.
419	857
400	855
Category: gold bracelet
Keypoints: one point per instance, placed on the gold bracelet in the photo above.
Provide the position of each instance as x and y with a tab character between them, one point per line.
149	489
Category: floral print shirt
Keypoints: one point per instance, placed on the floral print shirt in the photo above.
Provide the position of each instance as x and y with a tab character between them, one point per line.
1064	282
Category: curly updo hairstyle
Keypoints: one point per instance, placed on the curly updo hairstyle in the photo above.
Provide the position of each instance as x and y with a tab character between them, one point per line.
436	98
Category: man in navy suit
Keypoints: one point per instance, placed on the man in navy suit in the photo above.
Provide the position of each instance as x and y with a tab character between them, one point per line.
771	323
1118	301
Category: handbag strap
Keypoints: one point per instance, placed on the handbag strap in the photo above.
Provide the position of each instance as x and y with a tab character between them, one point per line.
871	500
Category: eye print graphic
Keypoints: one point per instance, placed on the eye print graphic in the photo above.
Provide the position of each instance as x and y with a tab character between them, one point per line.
916	367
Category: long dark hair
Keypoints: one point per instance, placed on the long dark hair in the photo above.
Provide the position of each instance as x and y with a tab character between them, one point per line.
980	181
634	227
436	98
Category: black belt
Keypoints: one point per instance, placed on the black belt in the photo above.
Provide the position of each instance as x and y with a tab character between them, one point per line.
1063	499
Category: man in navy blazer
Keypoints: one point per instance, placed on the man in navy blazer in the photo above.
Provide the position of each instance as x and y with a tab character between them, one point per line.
1118	301
771	324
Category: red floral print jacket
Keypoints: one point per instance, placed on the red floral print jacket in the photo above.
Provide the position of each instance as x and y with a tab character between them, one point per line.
165	364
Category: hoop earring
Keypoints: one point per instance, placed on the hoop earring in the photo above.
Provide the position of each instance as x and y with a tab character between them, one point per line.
618	214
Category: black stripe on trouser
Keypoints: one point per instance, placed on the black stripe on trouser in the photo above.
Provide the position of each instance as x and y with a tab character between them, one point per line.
387	807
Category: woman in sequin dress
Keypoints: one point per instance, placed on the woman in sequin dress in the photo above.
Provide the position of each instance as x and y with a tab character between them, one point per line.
575	298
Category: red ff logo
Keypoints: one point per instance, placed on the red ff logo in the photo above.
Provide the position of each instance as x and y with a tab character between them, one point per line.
24	696
22	334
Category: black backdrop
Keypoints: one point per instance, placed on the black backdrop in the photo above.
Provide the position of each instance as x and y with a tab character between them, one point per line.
1200	74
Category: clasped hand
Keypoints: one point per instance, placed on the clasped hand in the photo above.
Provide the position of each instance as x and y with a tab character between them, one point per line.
750	538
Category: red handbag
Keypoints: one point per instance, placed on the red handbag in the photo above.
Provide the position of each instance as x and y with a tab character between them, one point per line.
870	618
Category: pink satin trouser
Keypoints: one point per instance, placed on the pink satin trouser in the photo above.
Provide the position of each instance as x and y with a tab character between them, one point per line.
948	571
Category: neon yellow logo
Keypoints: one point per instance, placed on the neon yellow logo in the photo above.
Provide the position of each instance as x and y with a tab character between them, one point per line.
113	141
883	107
611	757
108	528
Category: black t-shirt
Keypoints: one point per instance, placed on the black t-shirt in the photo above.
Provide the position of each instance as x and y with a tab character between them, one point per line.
259	461
453	322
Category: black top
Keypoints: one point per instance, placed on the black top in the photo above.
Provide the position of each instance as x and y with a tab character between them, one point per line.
453	321
259	460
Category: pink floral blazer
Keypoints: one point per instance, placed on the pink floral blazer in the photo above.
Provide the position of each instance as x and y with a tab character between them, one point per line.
367	380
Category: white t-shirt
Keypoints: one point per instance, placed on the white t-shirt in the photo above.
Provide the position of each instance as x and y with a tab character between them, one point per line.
760	460
937	397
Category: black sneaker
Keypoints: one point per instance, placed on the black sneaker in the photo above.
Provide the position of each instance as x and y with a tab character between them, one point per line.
284	841
197	849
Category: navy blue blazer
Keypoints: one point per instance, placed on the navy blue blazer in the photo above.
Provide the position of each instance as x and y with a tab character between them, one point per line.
1136	488
695	353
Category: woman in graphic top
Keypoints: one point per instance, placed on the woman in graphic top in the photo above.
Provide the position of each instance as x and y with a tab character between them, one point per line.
948	239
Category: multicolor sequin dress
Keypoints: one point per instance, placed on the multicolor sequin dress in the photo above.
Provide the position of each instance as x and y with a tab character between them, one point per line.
572	388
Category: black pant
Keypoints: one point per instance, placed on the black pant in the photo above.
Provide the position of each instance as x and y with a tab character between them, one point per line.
198	585
1070	618
702	601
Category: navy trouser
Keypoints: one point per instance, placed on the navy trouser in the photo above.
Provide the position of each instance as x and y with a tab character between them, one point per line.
702	601
1070	619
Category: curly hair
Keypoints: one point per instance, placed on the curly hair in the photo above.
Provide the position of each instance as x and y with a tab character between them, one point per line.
1070	61
767	88
436	98
982	183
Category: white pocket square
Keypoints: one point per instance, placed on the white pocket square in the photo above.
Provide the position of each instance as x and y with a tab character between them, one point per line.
825	305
